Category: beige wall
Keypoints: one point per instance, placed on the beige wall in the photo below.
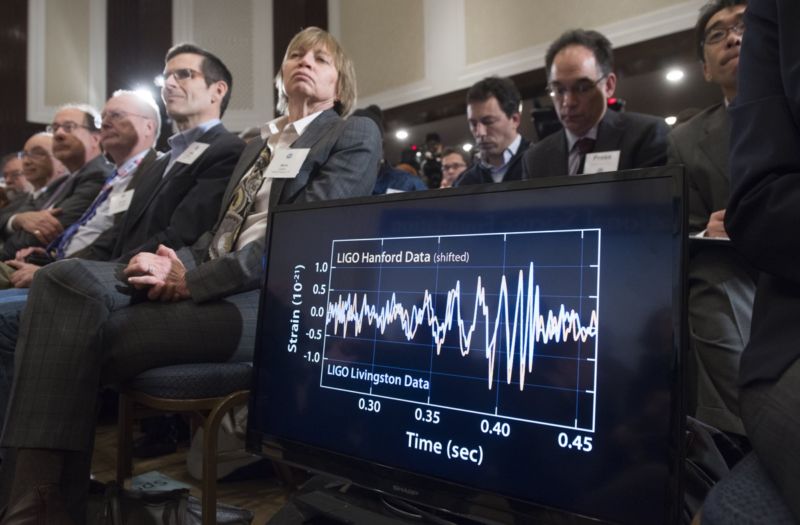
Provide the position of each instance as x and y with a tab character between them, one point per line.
386	40
518	24
66	41
228	32
240	33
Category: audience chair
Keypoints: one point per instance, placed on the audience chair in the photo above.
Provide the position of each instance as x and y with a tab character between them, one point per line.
746	497
209	390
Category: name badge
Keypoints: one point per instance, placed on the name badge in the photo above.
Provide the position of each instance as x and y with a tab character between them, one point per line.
191	153
286	163
601	161
120	202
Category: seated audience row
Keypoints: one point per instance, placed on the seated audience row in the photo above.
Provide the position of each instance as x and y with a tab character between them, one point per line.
106	248
178	302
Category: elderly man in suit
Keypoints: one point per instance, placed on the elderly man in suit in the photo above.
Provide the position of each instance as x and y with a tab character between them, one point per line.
76	143
130	125
91	322
721	283
581	79
765	203
17	186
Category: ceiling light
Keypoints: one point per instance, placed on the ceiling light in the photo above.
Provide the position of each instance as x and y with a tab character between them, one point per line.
671	120
467	147
401	134
675	75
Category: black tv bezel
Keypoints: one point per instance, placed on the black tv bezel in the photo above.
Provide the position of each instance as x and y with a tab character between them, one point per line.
460	499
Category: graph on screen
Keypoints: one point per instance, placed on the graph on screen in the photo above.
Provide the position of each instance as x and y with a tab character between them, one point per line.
502	324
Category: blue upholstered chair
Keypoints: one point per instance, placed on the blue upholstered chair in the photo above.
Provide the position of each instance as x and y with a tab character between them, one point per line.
746	497
209	390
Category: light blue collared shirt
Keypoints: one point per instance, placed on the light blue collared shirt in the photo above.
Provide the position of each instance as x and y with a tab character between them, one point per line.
498	172
183	139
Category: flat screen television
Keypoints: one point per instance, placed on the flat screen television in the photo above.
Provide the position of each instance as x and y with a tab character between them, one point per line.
508	352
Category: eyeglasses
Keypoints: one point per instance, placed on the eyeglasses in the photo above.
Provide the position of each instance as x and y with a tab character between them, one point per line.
35	153
184	73
716	35
67	126
578	89
454	166
15	174
116	116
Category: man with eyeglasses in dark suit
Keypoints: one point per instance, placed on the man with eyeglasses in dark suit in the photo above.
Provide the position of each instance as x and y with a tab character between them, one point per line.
722	283
579	68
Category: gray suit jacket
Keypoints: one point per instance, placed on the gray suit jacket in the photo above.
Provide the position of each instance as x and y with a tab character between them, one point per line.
641	139
83	187
342	162
721	282
701	144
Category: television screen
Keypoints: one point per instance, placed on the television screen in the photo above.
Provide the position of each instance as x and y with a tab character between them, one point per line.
496	351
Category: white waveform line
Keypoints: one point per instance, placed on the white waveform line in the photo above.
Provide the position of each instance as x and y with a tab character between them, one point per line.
528	323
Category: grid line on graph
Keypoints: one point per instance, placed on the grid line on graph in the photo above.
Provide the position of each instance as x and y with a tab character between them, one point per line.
471	319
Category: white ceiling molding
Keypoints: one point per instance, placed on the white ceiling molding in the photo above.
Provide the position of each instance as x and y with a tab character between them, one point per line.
445	55
37	109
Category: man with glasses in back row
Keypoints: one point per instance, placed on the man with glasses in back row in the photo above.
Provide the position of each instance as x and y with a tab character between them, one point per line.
17	186
579	68
722	283
41	170
130	126
76	143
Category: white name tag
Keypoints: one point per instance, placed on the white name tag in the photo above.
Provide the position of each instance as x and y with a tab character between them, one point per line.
120	202
191	153
286	163
601	161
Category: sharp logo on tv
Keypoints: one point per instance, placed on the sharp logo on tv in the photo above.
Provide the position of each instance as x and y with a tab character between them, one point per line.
405	490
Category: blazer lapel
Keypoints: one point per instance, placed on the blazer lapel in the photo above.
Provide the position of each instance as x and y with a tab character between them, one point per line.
145	190
558	151
714	144
156	183
243	165
147	162
609	132
319	128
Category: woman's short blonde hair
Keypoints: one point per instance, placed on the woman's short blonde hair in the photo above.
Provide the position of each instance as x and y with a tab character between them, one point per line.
312	38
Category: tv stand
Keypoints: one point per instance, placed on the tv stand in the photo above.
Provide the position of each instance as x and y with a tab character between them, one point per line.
325	500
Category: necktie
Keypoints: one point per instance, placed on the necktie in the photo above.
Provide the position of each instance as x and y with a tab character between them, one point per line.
59	245
242	201
584	146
